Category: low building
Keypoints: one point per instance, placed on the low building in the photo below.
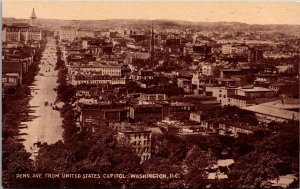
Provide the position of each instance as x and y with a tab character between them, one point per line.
111	70
146	112
234	128
207	69
84	32
268	112
289	88
179	108
275	111
240	96
67	33
153	97
10	80
202	100
240	101
255	92
235	49
95	79
88	116
15	67
198	116
185	84
145	75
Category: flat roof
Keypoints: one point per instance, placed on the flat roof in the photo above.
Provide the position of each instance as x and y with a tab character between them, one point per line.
273	109
256	89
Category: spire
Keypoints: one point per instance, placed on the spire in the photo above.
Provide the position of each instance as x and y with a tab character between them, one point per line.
33	16
152	44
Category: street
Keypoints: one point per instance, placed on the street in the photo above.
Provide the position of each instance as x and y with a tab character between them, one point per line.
46	127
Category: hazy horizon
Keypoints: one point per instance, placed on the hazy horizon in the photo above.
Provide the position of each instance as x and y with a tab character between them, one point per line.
249	13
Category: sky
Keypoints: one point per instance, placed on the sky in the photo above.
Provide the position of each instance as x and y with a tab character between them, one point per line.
246	12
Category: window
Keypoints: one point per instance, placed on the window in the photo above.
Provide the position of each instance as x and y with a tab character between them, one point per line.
220	95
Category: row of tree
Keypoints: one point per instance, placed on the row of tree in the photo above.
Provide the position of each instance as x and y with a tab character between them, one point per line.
15	159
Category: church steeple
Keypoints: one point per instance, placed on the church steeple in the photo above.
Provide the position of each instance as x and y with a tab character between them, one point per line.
33	18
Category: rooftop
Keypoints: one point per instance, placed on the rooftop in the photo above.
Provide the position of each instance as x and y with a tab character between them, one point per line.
256	89
276	109
225	162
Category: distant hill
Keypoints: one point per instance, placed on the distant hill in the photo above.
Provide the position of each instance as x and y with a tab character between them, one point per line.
54	24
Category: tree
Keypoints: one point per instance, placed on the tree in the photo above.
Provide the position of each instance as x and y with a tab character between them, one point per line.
97	152
158	165
15	160
252	169
197	162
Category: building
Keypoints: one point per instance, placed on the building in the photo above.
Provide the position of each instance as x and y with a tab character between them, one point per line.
178	109
11	34
234	128
198	116
202	100
255	92
17	62
221	93
146	112
240	101
140	140
185	84
153	97
10	80
95	79
145	75
33	19
22	33
239	96
34	34
276	111
255	55
105	114
84	32
284	68
102	69
207	69
289	88
67	33
234	49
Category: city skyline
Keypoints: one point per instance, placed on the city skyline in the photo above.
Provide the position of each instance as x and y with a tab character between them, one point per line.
268	13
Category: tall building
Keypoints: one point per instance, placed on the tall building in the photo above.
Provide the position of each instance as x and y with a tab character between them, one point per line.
33	21
140	140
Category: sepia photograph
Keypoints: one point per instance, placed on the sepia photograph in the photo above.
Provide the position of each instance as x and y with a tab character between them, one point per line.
150	94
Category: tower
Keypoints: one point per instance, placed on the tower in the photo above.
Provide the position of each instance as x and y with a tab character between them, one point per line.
33	18
152	46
